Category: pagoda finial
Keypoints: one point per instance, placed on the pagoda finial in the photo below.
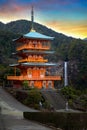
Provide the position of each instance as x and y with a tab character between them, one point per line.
32	20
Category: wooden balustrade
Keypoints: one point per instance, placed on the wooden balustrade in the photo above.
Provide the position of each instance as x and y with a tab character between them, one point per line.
32	60
33	47
33	78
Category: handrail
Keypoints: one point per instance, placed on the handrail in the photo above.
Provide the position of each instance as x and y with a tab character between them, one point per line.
31	47
32	60
33	78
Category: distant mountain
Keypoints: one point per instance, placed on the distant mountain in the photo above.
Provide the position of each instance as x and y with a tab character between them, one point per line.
24	26
85	39
2	25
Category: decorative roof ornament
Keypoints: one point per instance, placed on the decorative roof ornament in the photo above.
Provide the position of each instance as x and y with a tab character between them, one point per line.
33	34
32	20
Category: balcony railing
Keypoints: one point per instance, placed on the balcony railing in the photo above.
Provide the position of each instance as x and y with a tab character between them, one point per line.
32	60
33	47
33	78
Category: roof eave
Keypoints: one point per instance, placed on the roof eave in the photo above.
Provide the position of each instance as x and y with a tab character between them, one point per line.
50	38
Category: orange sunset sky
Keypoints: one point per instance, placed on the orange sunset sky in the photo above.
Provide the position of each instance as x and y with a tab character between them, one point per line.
64	16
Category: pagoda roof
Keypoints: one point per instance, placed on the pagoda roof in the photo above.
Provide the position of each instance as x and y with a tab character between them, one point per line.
33	64
34	52
12	65
38	64
35	35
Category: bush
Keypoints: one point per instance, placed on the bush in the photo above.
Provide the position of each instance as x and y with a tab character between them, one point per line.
46	105
70	102
76	98
70	92
33	98
25	84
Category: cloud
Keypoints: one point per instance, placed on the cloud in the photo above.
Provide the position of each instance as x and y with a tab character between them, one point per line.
16	6
10	11
76	29
11	7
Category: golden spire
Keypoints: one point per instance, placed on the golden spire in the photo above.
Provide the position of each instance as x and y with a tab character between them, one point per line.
32	20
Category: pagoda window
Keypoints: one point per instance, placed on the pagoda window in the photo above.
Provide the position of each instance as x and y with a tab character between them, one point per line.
40	57
36	45
35	56
32	84
34	42
34	68
44	84
39	44
42	73
29	73
48	43
49	84
44	44
30	43
24	73
27	41
30	57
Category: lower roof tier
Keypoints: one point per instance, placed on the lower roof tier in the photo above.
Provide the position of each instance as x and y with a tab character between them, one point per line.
32	64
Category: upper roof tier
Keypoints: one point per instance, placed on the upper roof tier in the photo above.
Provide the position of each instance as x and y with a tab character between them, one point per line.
35	35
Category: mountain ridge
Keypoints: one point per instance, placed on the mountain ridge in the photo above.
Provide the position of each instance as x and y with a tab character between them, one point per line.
85	39
25	27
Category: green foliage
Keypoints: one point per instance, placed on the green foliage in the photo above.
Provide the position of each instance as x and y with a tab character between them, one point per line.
69	92
31	97
25	84
76	52
6	46
34	96
46	105
76	97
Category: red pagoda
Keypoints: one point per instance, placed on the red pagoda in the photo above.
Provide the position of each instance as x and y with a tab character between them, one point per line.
31	50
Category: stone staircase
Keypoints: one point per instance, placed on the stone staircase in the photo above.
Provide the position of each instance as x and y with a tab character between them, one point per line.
55	98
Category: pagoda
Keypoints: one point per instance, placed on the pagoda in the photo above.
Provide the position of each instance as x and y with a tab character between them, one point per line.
31	49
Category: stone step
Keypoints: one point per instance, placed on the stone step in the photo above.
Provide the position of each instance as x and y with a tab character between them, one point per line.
55	98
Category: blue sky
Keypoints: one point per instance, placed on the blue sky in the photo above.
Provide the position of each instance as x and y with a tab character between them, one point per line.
64	16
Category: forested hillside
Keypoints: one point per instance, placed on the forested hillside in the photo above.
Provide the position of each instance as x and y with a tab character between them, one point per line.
75	50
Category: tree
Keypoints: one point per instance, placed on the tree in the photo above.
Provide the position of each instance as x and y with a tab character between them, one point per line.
25	84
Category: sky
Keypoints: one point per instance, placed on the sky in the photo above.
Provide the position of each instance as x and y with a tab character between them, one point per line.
63	16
